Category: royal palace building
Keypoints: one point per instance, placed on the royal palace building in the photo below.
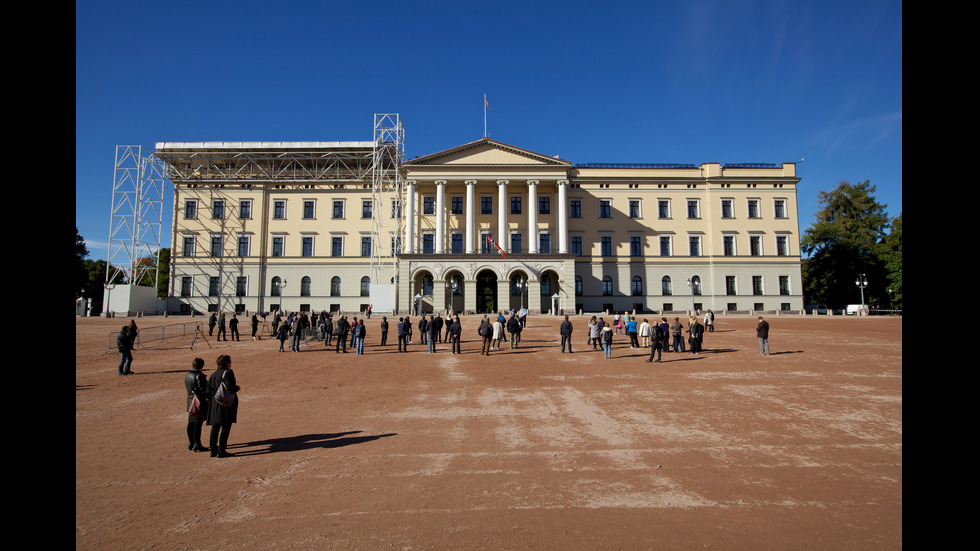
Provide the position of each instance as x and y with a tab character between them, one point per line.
482	227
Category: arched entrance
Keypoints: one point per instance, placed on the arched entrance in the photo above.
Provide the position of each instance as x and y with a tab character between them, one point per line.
454	291
549	285
486	292
518	290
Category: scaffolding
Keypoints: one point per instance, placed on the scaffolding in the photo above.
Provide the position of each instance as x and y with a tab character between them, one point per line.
136	219
387	189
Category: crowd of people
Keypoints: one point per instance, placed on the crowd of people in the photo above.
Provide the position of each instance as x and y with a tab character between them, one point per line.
214	400
301	328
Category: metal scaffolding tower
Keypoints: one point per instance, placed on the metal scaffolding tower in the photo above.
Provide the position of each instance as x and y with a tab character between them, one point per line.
136	218
387	192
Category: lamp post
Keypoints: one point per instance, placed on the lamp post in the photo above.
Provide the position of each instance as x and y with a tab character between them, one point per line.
691	284
451	286
522	287
861	282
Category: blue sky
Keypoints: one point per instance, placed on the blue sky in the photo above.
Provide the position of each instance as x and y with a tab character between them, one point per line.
655	82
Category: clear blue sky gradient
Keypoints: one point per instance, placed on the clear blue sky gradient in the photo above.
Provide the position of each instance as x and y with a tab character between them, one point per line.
654	82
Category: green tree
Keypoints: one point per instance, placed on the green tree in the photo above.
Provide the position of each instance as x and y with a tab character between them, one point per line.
81	252
893	262
845	241
94	284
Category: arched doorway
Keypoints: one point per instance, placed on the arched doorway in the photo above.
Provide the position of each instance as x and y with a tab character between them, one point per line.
486	292
422	289
454	291
548	287
518	291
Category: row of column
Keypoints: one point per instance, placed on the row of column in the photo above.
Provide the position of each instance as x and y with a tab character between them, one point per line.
469	236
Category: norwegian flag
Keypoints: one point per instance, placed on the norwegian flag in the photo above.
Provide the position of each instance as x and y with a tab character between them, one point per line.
494	243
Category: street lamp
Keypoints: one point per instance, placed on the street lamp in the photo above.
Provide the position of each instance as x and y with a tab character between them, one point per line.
861	282
451	286
521	284
693	285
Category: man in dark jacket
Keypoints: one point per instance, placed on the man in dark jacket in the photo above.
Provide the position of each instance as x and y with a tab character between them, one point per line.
125	346
566	334
514	329
762	332
455	331
340	331
402	329
432	333
423	329
438	322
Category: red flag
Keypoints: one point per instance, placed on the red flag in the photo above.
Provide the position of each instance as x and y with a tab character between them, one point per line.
494	243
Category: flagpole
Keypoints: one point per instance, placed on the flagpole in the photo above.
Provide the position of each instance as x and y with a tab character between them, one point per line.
484	115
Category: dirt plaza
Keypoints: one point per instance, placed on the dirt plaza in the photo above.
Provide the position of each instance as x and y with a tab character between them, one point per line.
522	449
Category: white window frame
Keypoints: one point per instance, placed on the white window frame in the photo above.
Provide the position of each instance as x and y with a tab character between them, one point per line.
639	208
312	203
275	203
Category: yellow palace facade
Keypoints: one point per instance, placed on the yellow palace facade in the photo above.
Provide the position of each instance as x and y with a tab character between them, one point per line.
481	227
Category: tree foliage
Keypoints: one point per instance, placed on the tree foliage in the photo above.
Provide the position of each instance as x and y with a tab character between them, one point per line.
846	240
81	252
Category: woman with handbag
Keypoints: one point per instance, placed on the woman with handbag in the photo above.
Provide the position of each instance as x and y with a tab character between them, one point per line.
223	409
196	384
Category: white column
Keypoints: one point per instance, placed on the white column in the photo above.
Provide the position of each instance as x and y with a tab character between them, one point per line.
501	237
470	235
440	216
532	216
409	207
562	216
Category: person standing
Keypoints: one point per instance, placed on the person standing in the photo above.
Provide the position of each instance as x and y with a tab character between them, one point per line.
233	325
498	333
658	337
255	327
402	335
423	330
645	333
222	326
438	322
212	321
593	333
221	417
631	332
353	333
762	332
359	333
455	332
664	331
431	333
566	334
340	331
296	331
514	328
676	331
486	331
697	333
607	340
196	384
709	321
125	346
282	333
327	330
384	330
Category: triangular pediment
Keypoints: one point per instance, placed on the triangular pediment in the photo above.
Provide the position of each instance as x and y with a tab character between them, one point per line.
487	152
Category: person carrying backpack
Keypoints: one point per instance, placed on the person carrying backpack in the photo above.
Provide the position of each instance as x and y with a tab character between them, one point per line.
658	339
